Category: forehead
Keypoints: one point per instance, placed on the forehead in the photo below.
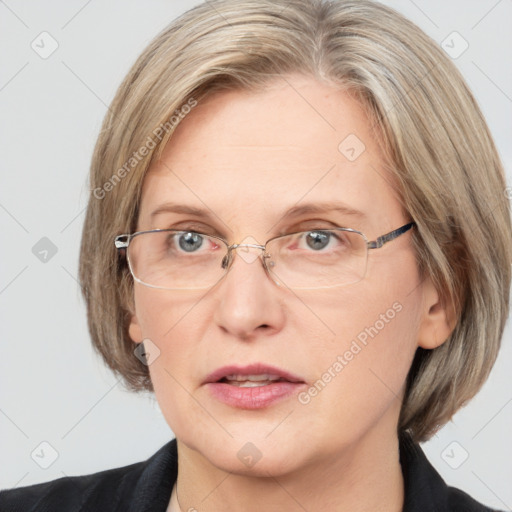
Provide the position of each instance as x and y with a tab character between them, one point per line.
246	157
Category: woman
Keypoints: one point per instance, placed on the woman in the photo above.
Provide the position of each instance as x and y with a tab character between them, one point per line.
287	240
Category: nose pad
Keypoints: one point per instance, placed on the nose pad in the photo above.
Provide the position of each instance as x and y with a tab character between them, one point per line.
268	265
268	262
226	260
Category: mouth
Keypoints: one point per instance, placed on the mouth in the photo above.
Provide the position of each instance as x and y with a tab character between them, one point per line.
251	381
252	387
252	375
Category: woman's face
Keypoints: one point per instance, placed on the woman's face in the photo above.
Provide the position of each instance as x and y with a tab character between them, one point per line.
245	160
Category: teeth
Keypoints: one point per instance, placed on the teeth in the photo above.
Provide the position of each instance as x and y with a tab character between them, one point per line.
251	381
250	384
252	378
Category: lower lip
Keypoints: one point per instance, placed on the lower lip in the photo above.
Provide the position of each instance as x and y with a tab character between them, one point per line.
255	397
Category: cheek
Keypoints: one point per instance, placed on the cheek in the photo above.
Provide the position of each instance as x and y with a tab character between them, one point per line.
358	371
169	318
382	311
366	337
172	321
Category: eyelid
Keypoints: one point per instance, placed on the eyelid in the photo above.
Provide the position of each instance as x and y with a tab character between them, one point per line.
196	227
315	225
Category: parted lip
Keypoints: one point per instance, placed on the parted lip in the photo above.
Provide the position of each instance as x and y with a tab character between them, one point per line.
251	369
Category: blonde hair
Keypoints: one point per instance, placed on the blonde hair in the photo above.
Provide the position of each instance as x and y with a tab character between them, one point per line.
438	145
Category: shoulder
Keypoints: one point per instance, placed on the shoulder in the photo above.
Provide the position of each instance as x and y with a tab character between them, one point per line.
425	490
113	489
71	492
459	501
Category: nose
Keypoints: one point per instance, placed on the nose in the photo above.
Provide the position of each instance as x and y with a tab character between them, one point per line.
249	303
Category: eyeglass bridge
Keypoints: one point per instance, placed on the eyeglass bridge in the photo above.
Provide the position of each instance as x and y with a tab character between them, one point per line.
228	258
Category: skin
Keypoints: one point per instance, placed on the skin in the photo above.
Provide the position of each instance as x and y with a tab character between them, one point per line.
247	158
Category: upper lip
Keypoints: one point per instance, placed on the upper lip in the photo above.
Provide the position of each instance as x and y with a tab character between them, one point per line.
251	369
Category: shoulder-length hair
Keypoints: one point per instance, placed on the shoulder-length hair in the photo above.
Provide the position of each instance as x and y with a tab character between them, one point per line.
436	142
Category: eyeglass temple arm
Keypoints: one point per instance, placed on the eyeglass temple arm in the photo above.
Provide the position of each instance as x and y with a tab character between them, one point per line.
379	242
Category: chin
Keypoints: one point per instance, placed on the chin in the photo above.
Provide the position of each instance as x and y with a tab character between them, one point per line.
250	454
273	464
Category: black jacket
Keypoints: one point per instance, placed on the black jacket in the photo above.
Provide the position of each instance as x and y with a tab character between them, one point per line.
146	487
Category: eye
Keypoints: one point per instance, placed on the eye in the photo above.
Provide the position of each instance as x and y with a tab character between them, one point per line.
319	240
190	242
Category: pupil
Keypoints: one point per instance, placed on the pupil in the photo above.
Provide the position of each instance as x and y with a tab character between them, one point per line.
189	242
318	239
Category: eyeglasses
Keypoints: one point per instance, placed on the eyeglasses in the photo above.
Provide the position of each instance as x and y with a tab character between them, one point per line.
171	259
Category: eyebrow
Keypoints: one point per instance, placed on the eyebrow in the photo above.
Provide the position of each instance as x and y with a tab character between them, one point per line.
295	211
329	207
180	208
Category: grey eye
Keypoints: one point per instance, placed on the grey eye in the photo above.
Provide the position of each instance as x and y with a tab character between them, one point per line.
318	239
190	242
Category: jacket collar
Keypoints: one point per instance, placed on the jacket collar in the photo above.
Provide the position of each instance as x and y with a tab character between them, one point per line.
424	489
154	486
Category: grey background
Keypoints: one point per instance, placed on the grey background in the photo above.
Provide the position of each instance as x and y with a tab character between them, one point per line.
54	389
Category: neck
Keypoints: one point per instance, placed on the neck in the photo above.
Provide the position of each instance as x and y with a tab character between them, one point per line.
364	477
